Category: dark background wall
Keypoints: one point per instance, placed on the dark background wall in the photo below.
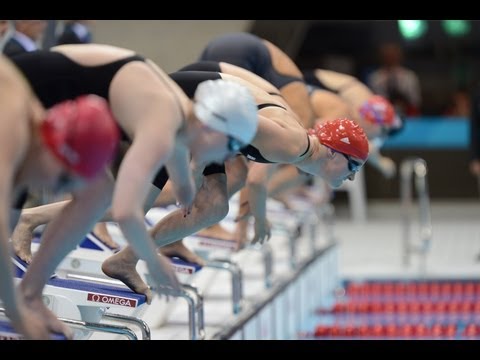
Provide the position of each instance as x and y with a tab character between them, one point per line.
447	174
442	63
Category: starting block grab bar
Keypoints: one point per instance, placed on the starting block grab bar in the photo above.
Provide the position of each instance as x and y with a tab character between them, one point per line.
415	168
142	325
105	328
196	319
84	325
88	302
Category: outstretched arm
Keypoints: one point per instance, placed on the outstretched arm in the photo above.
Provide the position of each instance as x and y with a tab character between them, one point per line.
7	292
258	175
181	178
156	117
148	153
17	107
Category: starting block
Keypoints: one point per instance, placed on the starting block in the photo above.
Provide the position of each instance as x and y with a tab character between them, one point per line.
88	302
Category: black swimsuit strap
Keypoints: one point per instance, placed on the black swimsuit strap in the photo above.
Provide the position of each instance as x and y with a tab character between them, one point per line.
261	106
308	146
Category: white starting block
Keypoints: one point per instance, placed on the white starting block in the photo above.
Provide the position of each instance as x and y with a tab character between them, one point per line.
88	302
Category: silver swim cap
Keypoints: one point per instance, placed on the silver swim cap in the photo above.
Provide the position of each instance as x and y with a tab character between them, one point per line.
228	107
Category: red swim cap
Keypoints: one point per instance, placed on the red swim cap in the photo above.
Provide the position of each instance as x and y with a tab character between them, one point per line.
82	134
378	110
343	135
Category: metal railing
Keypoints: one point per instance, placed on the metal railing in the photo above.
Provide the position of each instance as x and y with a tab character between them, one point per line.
144	328
196	320
267	297
237	282
97	327
292	246
417	168
267	257
327	214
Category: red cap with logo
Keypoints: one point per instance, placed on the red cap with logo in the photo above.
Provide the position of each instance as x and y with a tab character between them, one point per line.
378	110
343	135
82	134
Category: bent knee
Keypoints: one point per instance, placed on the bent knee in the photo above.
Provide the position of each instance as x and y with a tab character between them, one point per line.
213	202
221	210
211	212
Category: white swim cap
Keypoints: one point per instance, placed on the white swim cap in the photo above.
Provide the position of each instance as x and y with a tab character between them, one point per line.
228	107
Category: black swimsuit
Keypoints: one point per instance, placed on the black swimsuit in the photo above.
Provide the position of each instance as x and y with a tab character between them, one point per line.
249	52
55	77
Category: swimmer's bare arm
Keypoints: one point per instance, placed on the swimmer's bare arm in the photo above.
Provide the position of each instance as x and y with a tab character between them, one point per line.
258	175
14	117
6	276
181	178
150	150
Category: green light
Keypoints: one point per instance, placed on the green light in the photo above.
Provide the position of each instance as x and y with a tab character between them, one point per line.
412	29
456	27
